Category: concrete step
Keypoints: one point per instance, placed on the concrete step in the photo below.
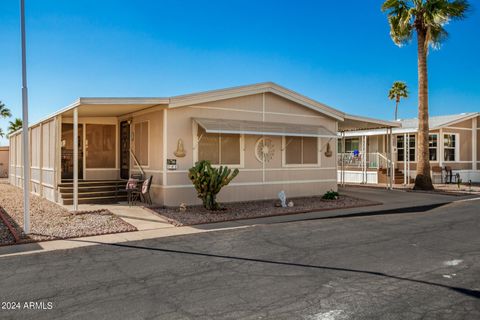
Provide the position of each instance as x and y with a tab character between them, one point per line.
92	183
96	194
86	189
96	200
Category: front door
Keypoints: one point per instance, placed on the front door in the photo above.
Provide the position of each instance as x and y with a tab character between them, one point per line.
124	149
67	151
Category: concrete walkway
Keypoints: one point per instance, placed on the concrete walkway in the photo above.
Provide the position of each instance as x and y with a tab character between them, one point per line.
152	226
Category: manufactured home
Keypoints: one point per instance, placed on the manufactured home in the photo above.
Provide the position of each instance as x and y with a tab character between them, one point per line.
4	151
453	146
277	138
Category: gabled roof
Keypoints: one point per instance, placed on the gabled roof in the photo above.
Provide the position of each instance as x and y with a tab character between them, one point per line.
228	93
92	107
437	122
411	125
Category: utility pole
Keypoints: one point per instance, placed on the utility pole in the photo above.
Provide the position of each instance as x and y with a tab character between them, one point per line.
25	149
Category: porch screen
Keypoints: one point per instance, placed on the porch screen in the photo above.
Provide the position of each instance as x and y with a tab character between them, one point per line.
100	146
141	142
301	150
218	148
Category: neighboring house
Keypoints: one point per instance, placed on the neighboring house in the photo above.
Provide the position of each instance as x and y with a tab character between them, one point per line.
4	162
453	142
279	139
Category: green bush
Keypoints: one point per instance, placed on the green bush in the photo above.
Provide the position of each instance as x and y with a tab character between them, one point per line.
208	181
330	195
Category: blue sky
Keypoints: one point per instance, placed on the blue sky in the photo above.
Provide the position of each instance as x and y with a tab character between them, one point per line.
337	52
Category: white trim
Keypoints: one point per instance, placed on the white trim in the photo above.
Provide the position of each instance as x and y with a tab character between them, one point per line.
256	183
165	149
271	169
257	112
102	169
457	128
474	143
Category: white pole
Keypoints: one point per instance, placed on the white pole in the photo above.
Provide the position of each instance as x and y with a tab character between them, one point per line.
405	159
75	159
408	157
343	159
26	158
392	176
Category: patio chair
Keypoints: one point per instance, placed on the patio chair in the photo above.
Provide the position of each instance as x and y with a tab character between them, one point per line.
145	192
142	193
132	191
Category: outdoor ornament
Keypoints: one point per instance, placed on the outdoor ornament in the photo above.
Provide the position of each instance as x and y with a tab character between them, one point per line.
264	150
182	207
283	198
329	152
180	152
290	204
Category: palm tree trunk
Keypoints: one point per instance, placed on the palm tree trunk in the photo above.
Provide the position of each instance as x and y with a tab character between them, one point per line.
423	181
396	110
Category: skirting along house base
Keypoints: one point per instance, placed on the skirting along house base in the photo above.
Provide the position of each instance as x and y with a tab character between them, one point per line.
279	140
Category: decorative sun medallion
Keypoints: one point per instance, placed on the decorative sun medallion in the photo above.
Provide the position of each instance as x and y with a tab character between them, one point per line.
264	150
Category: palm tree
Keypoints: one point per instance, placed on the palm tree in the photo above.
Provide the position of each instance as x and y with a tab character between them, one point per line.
14	125
398	91
2	134
4	112
426	18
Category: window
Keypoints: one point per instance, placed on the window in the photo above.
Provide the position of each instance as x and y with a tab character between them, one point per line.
432	146
219	148
101	146
142	142
351	144
449	147
401	148
301	150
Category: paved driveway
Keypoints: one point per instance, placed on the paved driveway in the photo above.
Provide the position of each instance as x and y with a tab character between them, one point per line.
423	265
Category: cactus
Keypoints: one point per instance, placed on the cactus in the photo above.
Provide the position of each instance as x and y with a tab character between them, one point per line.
208	181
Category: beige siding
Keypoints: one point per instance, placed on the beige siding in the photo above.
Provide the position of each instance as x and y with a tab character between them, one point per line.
255	180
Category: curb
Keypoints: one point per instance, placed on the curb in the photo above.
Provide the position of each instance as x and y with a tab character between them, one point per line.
9	226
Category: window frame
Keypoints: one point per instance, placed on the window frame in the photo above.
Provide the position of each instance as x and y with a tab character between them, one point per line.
300	165
456	148
404	149
134	140
196	148
437	151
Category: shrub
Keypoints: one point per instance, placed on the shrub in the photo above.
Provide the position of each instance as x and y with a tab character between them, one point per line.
208	181
330	195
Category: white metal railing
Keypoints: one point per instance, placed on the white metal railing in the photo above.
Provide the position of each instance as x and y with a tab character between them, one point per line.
374	160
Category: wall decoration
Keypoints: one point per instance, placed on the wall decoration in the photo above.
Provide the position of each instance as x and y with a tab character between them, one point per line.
329	152
264	150
180	152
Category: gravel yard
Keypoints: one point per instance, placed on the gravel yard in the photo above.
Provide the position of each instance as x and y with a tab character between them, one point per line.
254	209
5	236
50	221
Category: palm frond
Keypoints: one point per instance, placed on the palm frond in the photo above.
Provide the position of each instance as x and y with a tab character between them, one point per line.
4	111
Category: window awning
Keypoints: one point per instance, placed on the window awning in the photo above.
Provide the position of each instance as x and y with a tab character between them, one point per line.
263	128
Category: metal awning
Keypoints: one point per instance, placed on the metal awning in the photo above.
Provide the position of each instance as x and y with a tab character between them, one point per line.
263	128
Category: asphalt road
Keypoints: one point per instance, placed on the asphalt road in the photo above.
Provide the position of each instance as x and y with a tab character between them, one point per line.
423	265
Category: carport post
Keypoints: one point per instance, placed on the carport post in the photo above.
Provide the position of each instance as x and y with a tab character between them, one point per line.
404	159
75	159
392	165
342	154
25	148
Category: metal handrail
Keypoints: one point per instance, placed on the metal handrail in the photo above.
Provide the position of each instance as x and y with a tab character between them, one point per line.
137	163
